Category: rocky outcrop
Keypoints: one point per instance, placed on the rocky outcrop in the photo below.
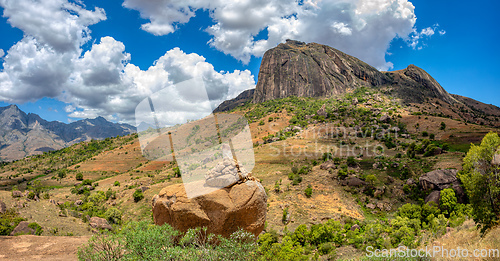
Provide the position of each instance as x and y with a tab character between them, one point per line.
100	223
240	100
438	179
441	179
22	229
223	211
311	70
414	85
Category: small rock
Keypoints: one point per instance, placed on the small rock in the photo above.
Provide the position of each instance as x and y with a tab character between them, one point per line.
17	194
144	188
3	207
354	227
78	203
370	206
410	182
327	165
97	222
385	118
496	159
322	111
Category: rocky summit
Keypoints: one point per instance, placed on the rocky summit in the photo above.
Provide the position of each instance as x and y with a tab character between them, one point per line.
313	70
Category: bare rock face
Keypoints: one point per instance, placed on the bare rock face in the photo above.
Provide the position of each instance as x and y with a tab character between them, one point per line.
311	70
22	229
223	211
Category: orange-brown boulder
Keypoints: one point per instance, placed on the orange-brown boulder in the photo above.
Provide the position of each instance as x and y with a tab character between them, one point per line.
223	211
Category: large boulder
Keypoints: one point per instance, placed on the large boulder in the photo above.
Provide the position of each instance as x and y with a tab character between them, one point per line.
222	211
438	179
22	229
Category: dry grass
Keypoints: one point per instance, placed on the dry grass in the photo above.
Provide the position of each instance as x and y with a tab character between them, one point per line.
468	237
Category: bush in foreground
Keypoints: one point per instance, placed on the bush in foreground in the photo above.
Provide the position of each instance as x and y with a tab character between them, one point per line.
145	241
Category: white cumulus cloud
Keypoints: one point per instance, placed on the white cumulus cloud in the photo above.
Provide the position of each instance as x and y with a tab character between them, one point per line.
363	28
49	62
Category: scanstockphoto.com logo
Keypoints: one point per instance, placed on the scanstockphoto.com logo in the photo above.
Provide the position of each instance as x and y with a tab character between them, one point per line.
431	252
211	153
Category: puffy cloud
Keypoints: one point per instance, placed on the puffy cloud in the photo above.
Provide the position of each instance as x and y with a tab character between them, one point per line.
58	23
118	86
363	28
2	53
39	65
33	71
48	62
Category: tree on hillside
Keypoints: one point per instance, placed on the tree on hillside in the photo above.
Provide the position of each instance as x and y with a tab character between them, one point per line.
481	180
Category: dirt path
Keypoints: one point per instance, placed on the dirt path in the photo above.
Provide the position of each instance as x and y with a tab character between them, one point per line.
40	248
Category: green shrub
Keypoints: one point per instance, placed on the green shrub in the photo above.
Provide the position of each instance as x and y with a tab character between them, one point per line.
447	201
113	215
37	228
116	184
87	182
443	126
352	162
138	195
144	241
425	134
308	191
79	176
261	123
31	195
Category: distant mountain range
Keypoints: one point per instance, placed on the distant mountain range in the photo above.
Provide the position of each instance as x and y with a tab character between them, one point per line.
24	134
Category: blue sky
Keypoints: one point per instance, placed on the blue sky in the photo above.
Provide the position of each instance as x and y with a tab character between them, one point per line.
134	48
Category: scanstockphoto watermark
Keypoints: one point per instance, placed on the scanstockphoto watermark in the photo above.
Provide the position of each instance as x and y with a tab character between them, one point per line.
432	252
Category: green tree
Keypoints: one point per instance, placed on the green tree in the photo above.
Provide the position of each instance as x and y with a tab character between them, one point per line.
443	126
448	200
138	195
371	179
79	176
481	180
